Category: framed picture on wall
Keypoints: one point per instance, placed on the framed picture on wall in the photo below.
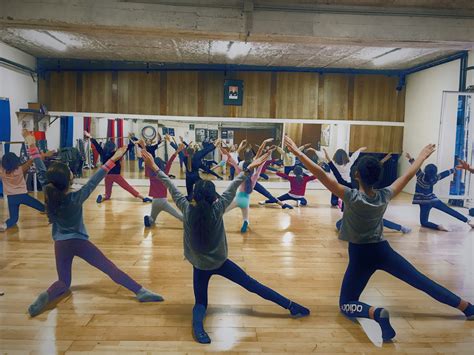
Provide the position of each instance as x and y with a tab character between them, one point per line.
325	135
233	92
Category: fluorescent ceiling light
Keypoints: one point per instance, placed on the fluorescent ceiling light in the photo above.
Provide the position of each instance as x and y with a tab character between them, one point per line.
55	40
230	49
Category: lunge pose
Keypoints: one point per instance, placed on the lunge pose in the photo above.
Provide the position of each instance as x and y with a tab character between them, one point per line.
114	175
297	186
12	174
362	227
159	192
426	199
205	244
64	209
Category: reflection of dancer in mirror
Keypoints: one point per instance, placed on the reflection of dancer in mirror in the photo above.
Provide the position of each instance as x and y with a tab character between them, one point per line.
114	174
386	223
64	209
205	244
362	227
248	156
194	158
344	163
426	199
159	192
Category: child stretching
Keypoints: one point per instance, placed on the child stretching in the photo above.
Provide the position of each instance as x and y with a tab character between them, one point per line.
386	223
12	174
362	227
114	175
64	209
297	186
205	244
159	192
427	200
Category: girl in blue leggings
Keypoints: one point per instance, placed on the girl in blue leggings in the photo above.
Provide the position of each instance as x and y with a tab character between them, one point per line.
205	243
426	199
12	174
362	227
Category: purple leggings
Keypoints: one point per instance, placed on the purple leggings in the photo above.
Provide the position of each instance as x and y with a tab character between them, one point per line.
66	250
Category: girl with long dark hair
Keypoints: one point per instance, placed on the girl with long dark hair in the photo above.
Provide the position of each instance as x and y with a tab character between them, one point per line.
64	209
362	227
12	174
205	244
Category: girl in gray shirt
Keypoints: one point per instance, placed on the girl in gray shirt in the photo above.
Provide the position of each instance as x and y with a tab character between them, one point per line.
205	243
362	227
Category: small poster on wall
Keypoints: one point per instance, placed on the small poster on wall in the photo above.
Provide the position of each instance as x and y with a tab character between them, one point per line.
325	135
233	92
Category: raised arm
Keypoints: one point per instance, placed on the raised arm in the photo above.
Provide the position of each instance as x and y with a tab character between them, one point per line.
398	185
206	150
411	160
262	146
231	160
331	184
181	201
386	158
445	174
97	147
464	165
34	153
85	191
356	154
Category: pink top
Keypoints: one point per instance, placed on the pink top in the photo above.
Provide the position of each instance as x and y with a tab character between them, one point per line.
13	183
297	186
157	189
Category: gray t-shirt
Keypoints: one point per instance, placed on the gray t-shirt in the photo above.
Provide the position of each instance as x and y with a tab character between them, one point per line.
216	254
362	221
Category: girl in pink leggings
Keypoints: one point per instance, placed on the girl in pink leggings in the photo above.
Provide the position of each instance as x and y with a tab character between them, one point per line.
64	209
113	176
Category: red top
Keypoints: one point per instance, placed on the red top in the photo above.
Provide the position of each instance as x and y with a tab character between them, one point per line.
157	189
297	186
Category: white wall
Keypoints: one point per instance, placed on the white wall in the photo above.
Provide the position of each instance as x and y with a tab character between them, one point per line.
18	87
423	109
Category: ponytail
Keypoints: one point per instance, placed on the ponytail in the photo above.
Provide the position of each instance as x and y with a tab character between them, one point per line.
59	180
54	199
200	215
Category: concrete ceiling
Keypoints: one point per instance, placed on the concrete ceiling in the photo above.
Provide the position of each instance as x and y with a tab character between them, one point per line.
359	34
129	47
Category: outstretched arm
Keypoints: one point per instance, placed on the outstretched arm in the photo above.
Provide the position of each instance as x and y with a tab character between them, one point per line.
464	165
181	201
331	184
356	154
403	180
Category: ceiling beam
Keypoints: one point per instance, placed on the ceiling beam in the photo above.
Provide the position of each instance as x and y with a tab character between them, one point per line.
442	29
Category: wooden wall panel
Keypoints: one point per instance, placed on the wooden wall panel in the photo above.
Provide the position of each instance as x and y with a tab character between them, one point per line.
182	88
64	99
335	97
281	95
377	138
97	92
212	94
139	93
297	95
376	99
257	89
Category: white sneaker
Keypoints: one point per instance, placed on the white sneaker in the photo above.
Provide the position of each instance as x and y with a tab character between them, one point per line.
262	203
3	227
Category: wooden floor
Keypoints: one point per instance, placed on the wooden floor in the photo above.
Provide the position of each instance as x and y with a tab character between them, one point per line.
296	252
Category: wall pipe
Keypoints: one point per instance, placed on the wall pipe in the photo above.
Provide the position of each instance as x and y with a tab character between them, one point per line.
17	66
